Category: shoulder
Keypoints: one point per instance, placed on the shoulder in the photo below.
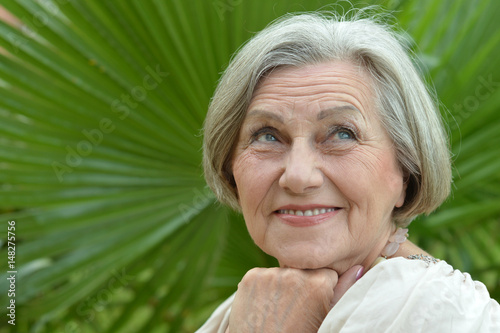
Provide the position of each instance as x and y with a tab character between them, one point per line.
412	295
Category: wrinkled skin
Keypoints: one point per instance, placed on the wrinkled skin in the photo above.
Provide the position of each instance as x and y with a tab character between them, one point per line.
312	141
287	299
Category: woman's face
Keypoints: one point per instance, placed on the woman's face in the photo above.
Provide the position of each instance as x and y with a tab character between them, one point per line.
316	173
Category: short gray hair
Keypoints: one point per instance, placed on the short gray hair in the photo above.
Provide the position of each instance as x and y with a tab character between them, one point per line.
407	108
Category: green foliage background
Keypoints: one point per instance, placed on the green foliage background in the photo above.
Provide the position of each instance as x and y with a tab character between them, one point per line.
101	106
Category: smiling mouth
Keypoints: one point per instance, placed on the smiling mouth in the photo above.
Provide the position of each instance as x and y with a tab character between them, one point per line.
308	212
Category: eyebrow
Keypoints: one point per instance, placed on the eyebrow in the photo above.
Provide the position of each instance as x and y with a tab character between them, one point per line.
336	109
265	114
321	115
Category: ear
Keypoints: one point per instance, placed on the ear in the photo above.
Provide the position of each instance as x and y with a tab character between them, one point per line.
402	195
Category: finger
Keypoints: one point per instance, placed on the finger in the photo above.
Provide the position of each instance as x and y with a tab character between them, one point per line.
330	274
345	282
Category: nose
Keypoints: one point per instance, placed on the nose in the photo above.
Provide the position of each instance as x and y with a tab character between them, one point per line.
301	173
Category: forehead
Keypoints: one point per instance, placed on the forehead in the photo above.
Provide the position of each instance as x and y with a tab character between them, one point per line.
315	87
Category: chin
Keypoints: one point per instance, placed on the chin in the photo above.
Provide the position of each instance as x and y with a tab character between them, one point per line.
303	262
305	254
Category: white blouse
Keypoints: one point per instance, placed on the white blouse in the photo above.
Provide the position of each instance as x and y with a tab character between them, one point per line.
402	295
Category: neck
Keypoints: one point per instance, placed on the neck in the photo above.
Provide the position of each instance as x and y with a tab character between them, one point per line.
408	248
405	249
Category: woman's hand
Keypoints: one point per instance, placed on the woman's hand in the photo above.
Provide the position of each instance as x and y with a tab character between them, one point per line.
287	299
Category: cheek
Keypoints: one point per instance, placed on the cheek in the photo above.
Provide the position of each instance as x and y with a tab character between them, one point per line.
254	177
370	179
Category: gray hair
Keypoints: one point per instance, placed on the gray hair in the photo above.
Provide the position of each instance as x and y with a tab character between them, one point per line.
408	112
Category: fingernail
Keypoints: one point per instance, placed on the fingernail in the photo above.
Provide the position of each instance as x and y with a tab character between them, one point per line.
359	274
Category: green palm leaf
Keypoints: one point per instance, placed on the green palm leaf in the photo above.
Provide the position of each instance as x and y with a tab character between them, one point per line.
101	106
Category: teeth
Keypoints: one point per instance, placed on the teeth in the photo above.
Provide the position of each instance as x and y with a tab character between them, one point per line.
309	212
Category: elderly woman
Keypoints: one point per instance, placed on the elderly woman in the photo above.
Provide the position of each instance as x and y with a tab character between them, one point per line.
323	135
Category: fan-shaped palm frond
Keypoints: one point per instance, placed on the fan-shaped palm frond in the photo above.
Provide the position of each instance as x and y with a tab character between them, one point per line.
101	106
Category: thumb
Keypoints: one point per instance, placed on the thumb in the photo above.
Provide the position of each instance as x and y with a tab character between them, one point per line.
346	281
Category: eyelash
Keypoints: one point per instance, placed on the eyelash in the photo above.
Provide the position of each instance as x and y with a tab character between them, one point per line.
263	130
336	129
255	134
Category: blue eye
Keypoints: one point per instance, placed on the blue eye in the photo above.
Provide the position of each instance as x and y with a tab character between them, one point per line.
342	134
345	135
265	137
265	134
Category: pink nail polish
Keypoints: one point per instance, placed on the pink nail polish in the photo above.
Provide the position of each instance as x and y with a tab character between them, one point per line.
359	274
